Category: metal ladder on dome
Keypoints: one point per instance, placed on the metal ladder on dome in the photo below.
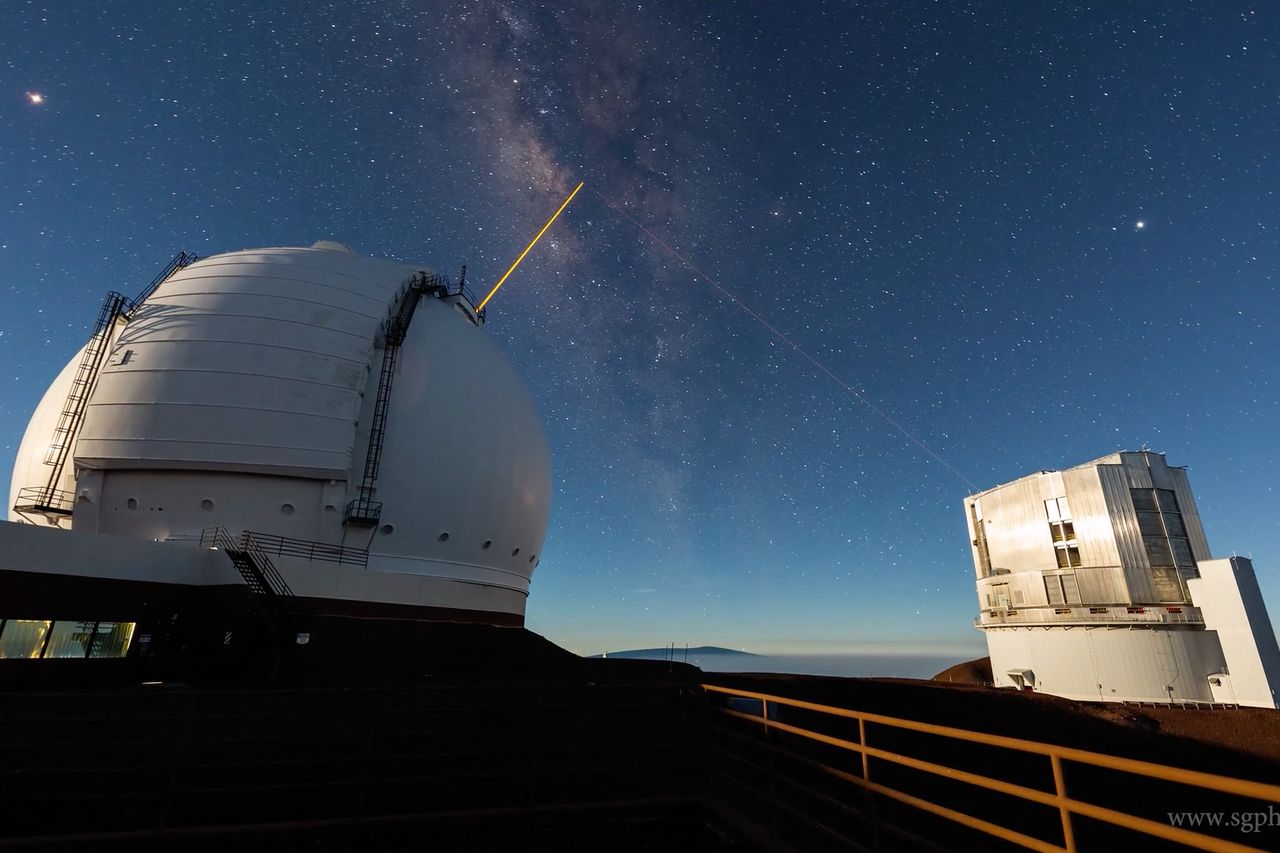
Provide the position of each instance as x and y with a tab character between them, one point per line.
49	499
180	260
271	592
363	510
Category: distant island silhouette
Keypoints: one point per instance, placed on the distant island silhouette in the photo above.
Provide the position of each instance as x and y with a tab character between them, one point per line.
678	652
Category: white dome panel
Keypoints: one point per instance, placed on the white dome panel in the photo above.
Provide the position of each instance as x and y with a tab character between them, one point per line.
253	361
465	454
28	466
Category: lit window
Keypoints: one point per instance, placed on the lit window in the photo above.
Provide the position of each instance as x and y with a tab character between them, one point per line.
70	639
111	639
66	638
22	638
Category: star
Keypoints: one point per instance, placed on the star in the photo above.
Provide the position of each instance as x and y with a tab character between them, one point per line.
1140	224
35	97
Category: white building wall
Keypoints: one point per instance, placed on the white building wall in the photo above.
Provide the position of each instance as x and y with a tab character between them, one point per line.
164	504
1109	664
35	548
1227	594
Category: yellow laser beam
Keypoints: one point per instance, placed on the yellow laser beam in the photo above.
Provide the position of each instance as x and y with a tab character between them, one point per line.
532	243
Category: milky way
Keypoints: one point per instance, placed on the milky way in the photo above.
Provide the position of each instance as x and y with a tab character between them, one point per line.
1028	234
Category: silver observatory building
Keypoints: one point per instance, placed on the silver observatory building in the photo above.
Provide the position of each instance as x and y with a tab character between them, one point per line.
1097	583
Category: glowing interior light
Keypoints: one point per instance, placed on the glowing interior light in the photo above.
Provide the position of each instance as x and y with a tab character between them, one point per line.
532	243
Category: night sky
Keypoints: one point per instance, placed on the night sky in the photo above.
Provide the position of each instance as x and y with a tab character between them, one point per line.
1000	237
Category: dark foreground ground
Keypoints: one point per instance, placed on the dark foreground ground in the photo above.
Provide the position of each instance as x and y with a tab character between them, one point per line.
479	737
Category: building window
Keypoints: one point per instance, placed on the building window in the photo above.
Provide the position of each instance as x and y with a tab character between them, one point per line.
22	638
1063	531
68	638
1164	537
112	639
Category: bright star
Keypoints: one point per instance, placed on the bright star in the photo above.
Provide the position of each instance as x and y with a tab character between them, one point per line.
1140	224
35	97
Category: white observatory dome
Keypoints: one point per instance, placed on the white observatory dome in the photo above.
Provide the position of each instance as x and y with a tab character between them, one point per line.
242	393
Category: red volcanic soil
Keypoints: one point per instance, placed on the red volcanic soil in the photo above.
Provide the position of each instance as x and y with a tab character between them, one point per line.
1242	742
1255	731
969	672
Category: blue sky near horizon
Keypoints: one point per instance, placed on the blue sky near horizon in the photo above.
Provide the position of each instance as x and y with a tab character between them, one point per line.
1027	234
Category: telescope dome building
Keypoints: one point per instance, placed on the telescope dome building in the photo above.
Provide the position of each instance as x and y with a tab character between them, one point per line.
273	435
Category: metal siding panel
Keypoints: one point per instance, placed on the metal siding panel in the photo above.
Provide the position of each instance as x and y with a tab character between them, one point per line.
1158	468
1116	482
1091	517
1102	585
1190	514
285	334
1135	466
1031	585
973	535
1018	535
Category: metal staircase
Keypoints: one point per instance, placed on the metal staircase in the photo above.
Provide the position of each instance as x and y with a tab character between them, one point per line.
49	499
364	511
271	593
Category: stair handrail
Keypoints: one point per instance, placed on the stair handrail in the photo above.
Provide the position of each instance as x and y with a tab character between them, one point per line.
219	538
311	550
179	261
279	586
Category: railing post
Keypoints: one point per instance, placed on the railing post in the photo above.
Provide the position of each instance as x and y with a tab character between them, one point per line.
773	773
862	742
867	796
1060	788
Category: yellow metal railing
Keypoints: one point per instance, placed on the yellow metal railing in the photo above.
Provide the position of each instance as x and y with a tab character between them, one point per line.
1066	805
